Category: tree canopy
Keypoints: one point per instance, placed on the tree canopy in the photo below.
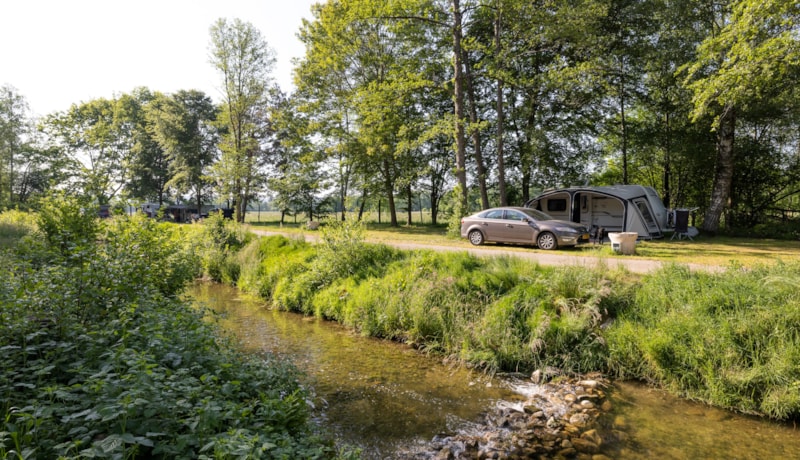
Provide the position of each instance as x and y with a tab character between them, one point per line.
453	105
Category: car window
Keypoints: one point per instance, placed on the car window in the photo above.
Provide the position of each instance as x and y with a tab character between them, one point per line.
514	215
494	214
538	215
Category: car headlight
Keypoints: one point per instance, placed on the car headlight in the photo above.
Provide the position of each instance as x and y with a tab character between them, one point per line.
566	230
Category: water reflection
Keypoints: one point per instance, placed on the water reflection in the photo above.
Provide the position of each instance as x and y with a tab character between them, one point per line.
381	395
661	426
375	394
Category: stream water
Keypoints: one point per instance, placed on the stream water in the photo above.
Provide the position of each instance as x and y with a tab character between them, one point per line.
382	396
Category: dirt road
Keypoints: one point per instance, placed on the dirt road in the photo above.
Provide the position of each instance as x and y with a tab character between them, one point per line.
633	264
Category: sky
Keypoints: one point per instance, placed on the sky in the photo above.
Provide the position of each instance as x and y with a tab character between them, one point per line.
56	53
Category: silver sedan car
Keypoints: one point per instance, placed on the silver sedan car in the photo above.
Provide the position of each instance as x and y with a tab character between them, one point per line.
521	225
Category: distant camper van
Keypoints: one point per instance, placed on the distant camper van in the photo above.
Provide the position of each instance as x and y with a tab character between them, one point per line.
150	209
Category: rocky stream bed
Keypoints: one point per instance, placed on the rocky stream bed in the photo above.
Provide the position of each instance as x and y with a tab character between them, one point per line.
556	419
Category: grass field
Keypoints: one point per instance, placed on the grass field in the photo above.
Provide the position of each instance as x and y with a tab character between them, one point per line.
720	250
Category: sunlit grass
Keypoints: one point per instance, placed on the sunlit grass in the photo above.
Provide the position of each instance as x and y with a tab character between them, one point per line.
716	251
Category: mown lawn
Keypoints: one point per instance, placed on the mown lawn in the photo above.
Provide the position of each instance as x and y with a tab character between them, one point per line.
720	251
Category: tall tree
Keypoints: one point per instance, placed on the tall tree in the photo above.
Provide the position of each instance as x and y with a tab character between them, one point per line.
457	29
752	56
89	135
245	63
182	124
14	127
146	162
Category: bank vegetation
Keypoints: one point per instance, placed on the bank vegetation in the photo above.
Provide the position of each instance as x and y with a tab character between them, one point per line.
727	338
100	358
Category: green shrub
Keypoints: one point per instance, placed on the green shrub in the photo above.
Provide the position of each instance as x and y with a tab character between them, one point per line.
101	360
67	223
220	240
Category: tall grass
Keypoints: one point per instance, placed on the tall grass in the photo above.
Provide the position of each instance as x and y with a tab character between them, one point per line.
497	313
730	339
14	225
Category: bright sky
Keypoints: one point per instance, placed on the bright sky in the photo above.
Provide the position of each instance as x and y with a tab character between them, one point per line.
62	52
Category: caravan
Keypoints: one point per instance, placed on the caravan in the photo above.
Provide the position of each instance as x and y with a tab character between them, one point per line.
619	208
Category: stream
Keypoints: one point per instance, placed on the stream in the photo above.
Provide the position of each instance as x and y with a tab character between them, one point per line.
383	397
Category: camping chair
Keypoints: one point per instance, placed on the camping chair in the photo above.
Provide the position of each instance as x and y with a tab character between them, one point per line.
681	224
599	235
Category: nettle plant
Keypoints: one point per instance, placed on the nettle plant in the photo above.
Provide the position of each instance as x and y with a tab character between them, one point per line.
100	358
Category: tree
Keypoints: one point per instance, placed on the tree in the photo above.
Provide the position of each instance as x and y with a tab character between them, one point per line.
14	127
296	178
753	56
182	124
366	75
146	162
90	137
245	62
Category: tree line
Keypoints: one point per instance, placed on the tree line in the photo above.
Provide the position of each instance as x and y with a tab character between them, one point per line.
472	103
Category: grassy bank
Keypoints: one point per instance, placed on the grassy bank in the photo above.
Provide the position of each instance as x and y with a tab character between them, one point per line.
100	358
728	338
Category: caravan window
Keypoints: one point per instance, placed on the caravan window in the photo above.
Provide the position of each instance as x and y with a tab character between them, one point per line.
645	210
556	205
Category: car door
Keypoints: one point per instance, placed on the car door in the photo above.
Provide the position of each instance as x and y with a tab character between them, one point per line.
516	228
492	224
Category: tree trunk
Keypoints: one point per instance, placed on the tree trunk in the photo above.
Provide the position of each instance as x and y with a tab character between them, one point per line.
623	127
434	199
363	204
475	134
723	175
410	205
388	183
501	162
667	191
199	202
458	102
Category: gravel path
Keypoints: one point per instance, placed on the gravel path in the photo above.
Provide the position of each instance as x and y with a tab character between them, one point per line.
633	264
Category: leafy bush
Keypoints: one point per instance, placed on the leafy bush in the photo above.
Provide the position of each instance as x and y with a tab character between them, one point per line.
100	359
67	222
220	240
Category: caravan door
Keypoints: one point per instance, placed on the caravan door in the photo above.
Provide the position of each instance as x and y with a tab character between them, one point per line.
643	207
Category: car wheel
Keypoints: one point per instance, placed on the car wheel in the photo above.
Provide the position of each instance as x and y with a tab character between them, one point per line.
475	237
547	241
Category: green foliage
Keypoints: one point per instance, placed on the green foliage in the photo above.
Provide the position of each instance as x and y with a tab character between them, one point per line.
551	319
68	223
456	211
14	225
220	240
483	310
100	359
729	339
279	258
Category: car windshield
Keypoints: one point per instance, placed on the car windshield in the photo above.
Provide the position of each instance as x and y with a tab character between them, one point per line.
536	214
